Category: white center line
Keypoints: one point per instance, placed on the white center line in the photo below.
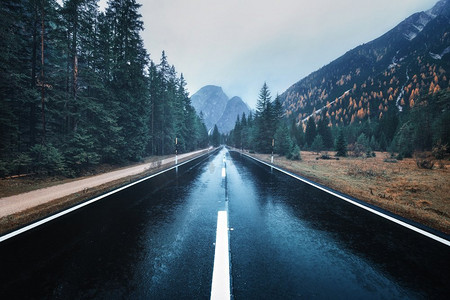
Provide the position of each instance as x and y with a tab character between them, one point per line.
220	288
224	168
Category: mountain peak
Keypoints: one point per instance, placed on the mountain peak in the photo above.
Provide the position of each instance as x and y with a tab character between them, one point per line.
210	100
217	109
235	107
237	99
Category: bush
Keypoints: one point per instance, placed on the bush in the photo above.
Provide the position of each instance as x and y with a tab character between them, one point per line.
362	146
390	158
294	154
317	144
17	164
47	160
22	163
80	151
356	150
439	150
423	161
403	141
5	168
425	164
325	156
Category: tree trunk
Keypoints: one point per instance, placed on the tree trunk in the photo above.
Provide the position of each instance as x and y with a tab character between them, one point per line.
32	117
42	73
75	66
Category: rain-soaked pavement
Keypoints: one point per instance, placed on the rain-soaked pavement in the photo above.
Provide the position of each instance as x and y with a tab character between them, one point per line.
287	240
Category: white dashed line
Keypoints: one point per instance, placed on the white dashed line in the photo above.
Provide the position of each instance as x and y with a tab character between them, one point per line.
220	288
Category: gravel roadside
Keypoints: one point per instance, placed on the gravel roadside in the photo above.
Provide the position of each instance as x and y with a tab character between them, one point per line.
13	206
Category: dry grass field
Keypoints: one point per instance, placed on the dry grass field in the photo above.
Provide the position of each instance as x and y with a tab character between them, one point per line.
400	186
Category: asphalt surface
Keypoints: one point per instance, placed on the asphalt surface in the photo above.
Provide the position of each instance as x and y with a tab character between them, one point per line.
287	240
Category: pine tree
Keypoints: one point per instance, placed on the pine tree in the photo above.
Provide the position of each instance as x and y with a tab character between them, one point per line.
77	89
264	121
310	132
238	133
215	137
283	142
244	131
130	86
403	141
325	131
294	152
14	81
251	132
317	145
383	142
297	134
341	144
277	111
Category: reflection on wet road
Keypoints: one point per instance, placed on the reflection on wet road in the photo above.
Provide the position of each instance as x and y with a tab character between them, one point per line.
157	240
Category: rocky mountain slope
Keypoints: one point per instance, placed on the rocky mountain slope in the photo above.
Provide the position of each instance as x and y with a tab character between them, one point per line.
210	101
235	107
217	109
383	76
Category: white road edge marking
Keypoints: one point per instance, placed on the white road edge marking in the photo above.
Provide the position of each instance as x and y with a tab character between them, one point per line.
69	210
220	288
374	211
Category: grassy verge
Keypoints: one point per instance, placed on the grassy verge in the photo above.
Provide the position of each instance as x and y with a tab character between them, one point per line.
21	185
399	187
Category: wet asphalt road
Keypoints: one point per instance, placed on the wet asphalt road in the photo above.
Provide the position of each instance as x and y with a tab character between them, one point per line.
288	240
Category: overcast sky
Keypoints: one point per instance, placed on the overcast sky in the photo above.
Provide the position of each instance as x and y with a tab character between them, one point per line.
240	44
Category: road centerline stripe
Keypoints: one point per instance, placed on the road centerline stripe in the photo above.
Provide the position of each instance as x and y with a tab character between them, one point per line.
220	288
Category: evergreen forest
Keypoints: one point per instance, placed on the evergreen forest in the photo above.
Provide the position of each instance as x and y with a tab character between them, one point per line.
78	89
423	127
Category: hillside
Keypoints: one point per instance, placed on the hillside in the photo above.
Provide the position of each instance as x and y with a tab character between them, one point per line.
384	76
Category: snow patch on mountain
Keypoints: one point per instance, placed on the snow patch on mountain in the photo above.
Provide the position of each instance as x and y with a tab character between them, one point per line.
439	56
402	92
410	35
416	23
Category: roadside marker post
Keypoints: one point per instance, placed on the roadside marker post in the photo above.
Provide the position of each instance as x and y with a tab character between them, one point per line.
273	144
176	151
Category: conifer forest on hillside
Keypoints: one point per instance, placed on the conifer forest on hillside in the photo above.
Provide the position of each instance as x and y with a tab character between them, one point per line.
78	88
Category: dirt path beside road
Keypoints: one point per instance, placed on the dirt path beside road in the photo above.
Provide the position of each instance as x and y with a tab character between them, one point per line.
15	205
